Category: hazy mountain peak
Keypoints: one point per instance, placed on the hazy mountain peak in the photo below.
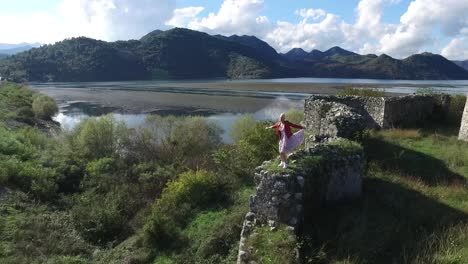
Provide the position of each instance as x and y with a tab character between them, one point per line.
152	34
338	51
297	51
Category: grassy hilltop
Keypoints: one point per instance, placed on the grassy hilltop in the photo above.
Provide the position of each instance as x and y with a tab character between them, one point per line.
172	192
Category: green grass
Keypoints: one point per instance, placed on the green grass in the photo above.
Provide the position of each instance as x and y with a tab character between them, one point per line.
434	157
361	92
414	207
342	147
272	247
274	167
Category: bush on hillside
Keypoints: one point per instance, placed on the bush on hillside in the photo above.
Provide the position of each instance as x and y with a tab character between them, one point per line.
180	200
455	111
44	107
258	144
23	163
31	232
186	141
294	115
102	137
104	218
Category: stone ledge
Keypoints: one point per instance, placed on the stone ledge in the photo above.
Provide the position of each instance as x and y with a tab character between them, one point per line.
329	171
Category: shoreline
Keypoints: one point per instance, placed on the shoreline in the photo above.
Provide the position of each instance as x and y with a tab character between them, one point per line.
192	97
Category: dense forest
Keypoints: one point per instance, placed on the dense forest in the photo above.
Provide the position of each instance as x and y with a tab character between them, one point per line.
186	54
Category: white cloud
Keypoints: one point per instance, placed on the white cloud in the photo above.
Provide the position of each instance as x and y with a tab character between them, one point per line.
115	19
183	16
416	29
315	14
35	27
234	17
457	49
316	30
320	35
424	26
101	19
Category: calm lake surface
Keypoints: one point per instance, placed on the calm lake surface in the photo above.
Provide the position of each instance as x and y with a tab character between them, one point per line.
132	101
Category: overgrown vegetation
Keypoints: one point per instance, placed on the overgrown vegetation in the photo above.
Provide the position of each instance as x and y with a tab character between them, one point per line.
44	107
273	247
350	91
413	209
172	192
112	193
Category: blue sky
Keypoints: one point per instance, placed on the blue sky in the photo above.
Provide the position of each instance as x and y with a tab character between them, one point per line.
278	10
396	27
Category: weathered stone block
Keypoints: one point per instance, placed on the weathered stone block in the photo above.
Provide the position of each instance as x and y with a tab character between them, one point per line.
463	135
377	112
332	119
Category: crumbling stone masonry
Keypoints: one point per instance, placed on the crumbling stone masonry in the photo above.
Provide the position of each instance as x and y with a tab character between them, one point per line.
344	116
329	171
463	135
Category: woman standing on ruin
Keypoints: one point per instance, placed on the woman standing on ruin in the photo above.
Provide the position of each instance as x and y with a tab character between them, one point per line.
287	140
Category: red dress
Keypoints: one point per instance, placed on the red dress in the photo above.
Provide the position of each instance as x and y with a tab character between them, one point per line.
288	141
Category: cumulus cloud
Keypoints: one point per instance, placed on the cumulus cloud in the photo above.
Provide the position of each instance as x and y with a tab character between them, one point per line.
183	16
101	19
34	27
415	31
457	49
116	19
234	17
317	29
318	35
315	14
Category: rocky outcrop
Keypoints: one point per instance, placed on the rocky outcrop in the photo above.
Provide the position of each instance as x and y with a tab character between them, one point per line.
463	135
331	170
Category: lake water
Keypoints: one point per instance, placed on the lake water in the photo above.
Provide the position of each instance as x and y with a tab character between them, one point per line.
72	112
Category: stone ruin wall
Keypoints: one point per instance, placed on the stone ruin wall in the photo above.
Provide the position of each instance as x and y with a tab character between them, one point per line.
413	110
282	197
321	112
463	135
370	108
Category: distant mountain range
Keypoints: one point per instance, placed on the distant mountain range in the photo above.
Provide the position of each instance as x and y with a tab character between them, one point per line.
463	64
10	49
186	54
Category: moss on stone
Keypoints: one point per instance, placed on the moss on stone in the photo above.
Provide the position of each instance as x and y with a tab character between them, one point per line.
272	246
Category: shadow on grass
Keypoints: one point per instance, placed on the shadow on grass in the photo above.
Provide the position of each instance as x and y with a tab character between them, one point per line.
407	162
389	224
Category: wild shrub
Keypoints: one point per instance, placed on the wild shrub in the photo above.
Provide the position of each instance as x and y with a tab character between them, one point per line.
32	233
186	141
103	218
102	137
253	140
295	116
22	163
455	110
44	107
180	200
